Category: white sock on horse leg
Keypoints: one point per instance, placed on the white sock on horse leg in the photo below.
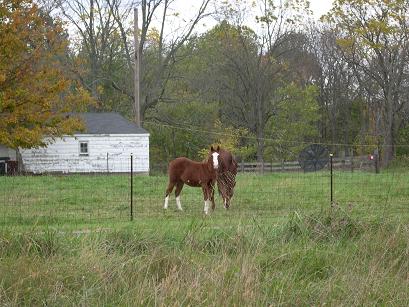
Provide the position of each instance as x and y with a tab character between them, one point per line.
206	206
178	204
165	206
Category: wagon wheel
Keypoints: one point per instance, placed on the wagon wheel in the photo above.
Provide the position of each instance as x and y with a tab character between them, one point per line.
313	158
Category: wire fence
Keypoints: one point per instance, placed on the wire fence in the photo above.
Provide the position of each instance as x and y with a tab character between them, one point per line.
266	191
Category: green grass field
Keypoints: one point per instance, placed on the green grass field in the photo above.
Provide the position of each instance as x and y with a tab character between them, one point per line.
100	199
67	240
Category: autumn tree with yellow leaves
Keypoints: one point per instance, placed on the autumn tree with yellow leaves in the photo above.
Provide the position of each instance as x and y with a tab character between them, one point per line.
36	91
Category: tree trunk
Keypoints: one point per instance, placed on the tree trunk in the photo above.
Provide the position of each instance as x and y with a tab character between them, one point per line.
260	130
388	143
347	131
260	146
93	53
19	159
388	151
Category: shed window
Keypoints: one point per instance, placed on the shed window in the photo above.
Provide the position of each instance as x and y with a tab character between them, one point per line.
83	148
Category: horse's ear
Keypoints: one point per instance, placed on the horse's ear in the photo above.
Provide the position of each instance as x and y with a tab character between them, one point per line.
211	148
218	148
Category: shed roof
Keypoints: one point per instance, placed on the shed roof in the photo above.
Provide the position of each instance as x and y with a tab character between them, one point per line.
108	123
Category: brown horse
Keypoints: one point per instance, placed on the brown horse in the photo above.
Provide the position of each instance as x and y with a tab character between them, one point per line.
195	174
226	176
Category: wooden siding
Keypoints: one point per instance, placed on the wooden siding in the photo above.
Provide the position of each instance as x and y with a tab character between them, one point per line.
63	155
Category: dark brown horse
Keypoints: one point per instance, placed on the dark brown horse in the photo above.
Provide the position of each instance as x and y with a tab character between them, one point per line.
226	176
195	174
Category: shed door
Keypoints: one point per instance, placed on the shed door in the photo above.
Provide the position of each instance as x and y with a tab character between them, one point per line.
2	168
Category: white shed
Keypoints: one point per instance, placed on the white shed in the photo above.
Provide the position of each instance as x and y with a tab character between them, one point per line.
106	145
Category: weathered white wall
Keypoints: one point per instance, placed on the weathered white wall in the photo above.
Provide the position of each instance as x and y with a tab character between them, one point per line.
63	155
7	152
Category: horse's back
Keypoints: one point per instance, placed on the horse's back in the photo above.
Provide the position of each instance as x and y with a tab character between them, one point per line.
180	162
179	166
187	171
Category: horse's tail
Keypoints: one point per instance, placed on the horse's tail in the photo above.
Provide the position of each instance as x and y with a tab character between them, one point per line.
235	166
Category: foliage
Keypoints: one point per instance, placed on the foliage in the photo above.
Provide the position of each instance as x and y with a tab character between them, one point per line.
403	141
373	35
35	90
183	130
295	123
239	75
231	139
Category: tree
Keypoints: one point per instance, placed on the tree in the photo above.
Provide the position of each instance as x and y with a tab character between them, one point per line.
247	80
35	90
374	37
246	69
178	131
341	103
295	123
99	47
100	23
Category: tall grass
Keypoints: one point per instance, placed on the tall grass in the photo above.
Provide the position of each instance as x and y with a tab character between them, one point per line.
67	241
307	259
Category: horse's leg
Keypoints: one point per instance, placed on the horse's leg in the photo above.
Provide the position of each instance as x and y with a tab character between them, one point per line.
227	191
226	202
224	196
179	187
222	191
212	197
206	197
168	191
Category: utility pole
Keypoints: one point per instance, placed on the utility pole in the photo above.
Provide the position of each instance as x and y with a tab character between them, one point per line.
136	70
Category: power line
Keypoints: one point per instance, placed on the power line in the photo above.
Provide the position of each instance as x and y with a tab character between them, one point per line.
191	128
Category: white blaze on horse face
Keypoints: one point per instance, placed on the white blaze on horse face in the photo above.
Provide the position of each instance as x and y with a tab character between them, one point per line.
165	206
178	204
215	156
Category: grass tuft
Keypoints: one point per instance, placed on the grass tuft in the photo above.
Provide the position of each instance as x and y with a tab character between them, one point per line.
44	243
329	224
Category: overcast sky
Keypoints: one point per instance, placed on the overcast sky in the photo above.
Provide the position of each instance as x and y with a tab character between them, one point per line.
187	8
320	7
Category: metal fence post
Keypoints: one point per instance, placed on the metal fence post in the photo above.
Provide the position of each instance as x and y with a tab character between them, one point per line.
331	181
131	187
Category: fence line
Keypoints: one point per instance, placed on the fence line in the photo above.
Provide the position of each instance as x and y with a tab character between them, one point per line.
97	197
347	163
